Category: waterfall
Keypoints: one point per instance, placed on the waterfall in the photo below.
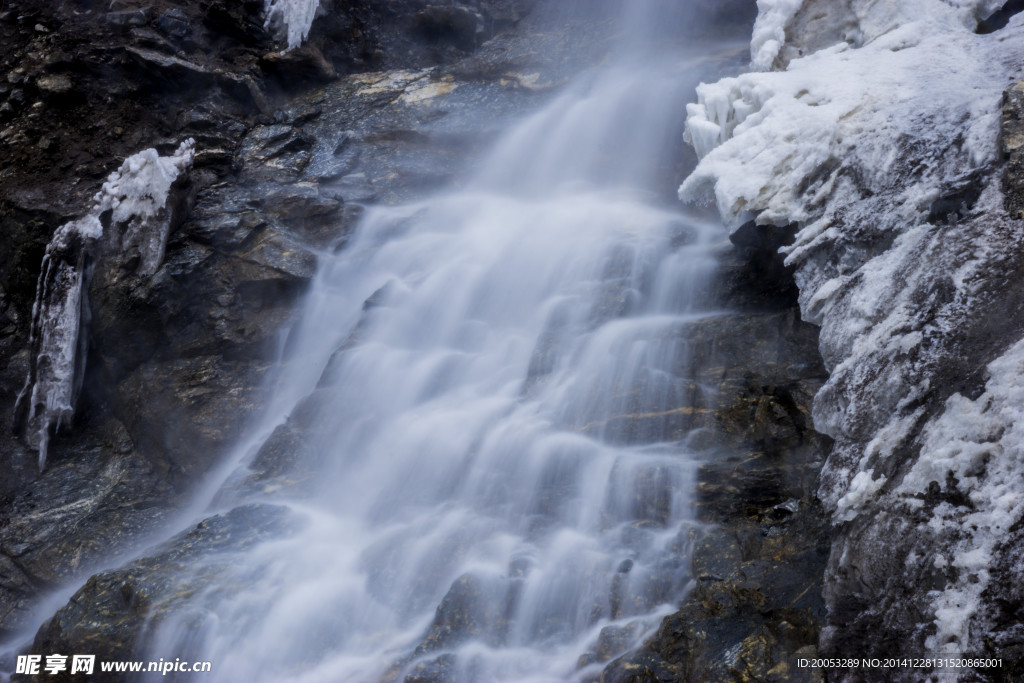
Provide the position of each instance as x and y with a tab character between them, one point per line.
489	416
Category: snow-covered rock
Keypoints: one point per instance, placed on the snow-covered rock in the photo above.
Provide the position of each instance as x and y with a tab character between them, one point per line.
136	194
879	141
788	29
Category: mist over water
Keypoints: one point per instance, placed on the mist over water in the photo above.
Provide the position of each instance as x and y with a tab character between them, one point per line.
493	395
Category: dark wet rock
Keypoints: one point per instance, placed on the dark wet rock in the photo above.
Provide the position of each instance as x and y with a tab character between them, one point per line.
468	611
461	25
116	609
472	609
63	527
306	211
1001	17
409	33
132	17
439	670
758	565
642	667
756	276
169	65
276	152
1011	141
304	64
174	23
613	640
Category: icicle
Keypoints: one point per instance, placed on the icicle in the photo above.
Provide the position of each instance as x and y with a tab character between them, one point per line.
294	16
54	375
136	195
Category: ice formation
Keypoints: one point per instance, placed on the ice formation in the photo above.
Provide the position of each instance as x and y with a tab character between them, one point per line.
879	143
136	198
787	29
137	195
295	17
981	442
55	373
923	79
773	16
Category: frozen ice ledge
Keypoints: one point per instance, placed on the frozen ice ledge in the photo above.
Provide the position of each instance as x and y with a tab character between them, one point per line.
882	135
130	217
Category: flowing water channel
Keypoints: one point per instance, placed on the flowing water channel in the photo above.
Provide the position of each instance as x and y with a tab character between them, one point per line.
496	400
494	405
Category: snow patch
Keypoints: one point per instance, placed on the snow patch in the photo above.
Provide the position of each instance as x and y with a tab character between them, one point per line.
862	489
137	196
788	29
773	143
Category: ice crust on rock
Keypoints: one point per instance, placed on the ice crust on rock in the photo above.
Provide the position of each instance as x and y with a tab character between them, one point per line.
136	198
773	17
52	385
879	142
294	17
784	129
787	29
980	443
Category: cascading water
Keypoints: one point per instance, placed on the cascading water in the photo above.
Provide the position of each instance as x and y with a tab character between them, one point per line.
493	401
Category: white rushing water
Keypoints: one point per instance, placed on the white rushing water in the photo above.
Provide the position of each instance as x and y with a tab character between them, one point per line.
499	471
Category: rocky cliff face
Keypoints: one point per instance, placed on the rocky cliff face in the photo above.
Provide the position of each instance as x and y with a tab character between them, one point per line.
900	176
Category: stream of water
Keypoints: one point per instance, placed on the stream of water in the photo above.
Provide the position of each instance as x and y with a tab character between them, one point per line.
494	401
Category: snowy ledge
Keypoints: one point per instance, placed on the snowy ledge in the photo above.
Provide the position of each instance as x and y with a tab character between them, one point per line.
879	142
